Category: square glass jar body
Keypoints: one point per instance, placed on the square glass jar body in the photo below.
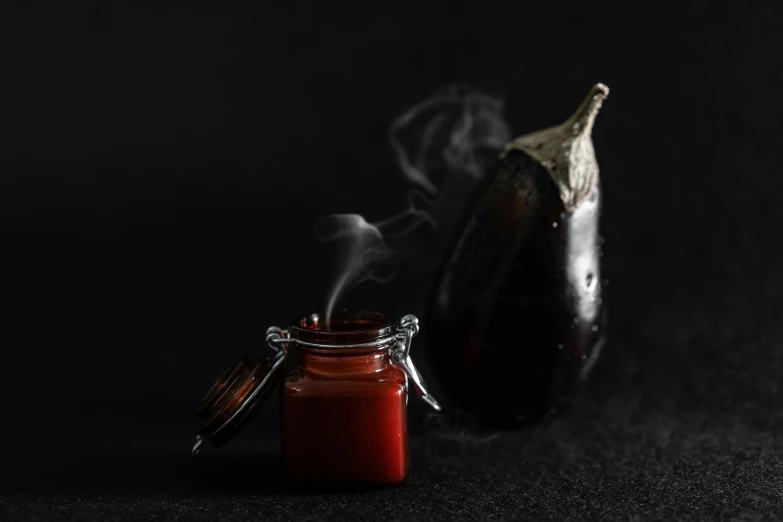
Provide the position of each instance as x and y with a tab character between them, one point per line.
344	418
345	427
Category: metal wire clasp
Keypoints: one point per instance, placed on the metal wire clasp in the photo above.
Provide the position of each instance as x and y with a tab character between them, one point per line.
407	328
404	332
277	339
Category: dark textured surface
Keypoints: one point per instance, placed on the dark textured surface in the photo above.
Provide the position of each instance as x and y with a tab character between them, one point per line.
634	449
690	432
159	154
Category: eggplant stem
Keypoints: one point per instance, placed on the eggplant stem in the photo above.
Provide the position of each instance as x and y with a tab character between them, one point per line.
584	117
566	150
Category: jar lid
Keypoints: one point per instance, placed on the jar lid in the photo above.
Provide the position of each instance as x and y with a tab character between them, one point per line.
231	401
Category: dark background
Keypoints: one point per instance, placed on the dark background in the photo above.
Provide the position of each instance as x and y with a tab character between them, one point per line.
159	185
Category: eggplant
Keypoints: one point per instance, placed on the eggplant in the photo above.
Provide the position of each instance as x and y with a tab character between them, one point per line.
515	317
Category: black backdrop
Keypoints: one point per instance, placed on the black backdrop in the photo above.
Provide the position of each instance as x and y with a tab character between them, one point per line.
166	164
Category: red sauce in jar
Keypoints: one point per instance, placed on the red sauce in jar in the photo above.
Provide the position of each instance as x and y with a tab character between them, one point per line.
344	414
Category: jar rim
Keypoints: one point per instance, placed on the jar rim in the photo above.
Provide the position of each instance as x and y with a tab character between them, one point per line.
348	327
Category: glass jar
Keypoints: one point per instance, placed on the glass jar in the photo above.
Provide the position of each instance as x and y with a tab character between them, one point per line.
344	415
343	409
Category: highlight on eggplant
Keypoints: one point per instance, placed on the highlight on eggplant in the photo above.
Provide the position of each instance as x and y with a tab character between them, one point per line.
515	315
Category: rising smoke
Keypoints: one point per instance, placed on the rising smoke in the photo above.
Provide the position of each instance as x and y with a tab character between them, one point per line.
363	254
444	146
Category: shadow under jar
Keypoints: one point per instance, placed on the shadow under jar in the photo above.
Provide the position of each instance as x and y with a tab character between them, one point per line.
344	407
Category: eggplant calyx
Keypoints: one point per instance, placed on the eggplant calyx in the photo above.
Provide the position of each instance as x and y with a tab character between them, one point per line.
566	150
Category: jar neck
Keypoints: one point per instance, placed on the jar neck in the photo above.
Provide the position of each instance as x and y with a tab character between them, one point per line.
343	362
352	342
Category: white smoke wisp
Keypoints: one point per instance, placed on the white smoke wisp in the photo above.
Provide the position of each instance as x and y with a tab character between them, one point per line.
444	134
362	255
419	212
444	146
459	427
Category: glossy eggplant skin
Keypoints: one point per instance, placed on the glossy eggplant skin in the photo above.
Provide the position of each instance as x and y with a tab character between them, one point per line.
515	317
